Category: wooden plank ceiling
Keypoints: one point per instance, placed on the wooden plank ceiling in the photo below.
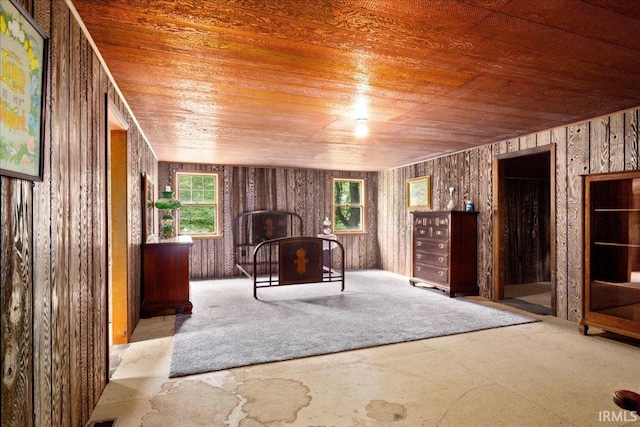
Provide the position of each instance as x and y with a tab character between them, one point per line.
281	83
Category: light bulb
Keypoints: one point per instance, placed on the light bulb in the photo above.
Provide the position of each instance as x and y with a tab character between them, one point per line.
361	130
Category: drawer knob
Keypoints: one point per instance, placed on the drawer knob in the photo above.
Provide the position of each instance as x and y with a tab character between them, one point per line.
441	259
418	256
439	233
441	245
422	231
418	243
418	268
440	273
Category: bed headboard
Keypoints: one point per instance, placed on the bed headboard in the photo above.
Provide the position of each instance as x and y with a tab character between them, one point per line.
253	228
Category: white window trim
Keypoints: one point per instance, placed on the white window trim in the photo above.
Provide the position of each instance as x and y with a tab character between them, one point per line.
218	175
362	206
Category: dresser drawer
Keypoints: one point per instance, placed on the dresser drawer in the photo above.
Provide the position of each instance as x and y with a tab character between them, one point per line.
432	274
441	233
439	221
431	245
430	258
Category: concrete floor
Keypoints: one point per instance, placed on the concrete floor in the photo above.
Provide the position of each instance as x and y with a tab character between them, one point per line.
538	374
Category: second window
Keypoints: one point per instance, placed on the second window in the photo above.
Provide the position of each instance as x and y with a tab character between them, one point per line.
348	205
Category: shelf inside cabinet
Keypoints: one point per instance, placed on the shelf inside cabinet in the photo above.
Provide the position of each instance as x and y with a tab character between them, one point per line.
624	245
630	285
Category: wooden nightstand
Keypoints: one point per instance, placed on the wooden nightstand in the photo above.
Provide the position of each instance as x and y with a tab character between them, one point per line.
165	277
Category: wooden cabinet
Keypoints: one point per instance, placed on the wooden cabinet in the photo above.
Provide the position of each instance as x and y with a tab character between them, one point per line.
611	286
165	277
445	248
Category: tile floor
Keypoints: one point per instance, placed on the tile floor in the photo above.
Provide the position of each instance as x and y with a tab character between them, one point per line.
538	374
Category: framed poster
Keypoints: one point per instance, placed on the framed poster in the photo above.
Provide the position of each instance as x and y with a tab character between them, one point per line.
419	193
23	71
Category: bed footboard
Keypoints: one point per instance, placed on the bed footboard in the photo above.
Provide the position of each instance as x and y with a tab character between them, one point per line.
297	260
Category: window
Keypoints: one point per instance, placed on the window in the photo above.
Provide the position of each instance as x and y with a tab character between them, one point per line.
348	205
198	193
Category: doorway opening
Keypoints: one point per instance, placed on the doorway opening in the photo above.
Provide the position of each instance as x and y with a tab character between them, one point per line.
118	233
524	229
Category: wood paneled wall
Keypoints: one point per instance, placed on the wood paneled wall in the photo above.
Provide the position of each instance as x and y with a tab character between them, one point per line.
305	192
54	241
603	144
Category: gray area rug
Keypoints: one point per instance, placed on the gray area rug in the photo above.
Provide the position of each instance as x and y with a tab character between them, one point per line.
229	328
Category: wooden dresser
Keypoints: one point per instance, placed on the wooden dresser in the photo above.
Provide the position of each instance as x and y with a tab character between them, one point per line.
445	251
165	277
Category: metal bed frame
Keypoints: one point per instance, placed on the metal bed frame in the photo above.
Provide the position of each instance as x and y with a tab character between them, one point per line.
269	249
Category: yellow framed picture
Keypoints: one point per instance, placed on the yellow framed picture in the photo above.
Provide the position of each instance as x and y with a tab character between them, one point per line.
419	193
23	70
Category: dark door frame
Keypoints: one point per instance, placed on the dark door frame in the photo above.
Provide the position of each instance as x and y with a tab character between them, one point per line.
499	246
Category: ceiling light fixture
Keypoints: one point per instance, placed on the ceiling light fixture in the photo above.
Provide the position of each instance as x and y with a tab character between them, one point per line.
362	129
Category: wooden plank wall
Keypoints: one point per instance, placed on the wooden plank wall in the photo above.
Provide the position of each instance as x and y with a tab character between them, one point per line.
16	268
54	241
603	144
303	191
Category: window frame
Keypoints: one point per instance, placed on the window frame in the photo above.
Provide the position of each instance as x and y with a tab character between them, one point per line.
176	181
361	206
